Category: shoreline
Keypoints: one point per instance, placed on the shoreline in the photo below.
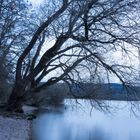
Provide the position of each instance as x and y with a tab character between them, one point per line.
14	127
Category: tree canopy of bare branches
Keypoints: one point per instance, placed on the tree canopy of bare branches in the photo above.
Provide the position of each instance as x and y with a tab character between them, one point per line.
12	15
82	32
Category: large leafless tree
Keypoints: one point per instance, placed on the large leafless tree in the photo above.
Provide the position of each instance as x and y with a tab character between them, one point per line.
82	32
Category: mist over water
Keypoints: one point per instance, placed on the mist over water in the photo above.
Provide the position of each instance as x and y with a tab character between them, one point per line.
77	122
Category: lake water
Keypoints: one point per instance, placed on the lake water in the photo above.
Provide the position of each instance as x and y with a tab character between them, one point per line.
79	121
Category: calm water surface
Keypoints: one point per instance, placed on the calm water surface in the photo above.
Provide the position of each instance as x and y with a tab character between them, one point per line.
78	122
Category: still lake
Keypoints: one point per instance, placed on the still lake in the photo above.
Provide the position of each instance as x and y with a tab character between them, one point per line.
79	121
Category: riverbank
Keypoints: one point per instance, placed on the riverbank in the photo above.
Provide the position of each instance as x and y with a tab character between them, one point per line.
14	127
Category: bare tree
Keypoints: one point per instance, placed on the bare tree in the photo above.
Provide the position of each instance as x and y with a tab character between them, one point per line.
83	32
9	14
15	32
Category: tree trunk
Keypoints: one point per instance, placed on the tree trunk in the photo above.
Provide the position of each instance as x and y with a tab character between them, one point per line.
16	99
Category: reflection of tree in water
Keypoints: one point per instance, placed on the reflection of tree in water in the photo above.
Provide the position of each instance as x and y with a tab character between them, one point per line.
76	124
72	132
54	126
98	134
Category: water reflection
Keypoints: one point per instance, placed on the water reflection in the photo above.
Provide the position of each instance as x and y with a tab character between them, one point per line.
78	124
